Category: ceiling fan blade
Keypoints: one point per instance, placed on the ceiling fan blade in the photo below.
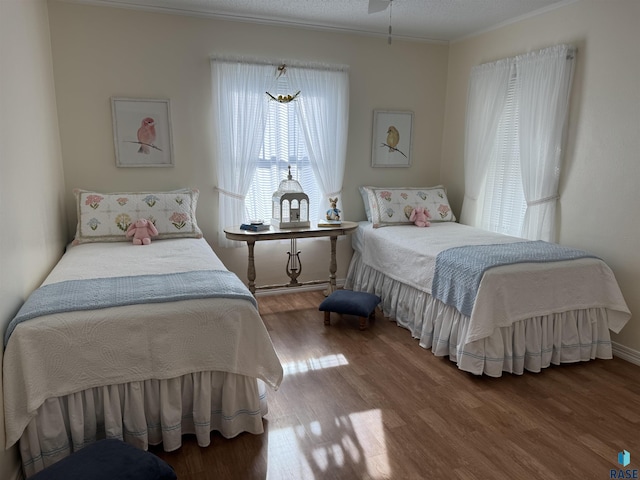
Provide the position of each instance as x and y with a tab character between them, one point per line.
376	6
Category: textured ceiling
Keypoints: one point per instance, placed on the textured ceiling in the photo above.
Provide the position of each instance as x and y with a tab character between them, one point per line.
434	20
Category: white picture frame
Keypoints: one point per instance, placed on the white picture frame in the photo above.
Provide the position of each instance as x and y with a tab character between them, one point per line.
137	144
392	148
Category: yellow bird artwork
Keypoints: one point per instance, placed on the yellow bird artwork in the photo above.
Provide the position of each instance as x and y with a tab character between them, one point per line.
393	138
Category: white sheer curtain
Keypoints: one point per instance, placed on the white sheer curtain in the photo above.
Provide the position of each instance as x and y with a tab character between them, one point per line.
516	116
239	103
487	95
324	116
543	86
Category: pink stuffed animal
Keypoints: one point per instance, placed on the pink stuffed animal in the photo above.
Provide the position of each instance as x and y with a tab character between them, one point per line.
142	231
420	216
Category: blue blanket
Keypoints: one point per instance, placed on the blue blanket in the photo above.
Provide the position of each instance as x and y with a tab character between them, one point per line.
96	293
459	270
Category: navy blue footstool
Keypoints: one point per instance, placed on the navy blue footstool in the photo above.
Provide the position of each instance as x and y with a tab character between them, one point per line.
108	459
361	304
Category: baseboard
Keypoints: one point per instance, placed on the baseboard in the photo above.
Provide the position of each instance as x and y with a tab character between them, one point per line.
626	353
303	288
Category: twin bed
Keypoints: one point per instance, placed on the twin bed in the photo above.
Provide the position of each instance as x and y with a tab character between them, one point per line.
140	343
523	315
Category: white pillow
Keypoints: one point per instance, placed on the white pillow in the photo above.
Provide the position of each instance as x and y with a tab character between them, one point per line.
365	199
393	206
105	217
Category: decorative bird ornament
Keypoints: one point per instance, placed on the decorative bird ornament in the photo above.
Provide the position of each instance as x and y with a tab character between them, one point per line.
284	98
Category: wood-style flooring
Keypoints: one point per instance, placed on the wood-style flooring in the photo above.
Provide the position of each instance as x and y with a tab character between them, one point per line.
373	404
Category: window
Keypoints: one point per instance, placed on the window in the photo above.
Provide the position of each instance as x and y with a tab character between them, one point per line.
257	139
283	146
516	116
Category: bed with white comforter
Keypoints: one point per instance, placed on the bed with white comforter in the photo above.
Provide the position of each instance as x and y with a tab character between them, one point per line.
525	315
143	372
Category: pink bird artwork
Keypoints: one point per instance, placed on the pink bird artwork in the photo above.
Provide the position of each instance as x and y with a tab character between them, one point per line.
147	135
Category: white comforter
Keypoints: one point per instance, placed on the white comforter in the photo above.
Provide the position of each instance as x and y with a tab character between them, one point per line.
407	254
56	355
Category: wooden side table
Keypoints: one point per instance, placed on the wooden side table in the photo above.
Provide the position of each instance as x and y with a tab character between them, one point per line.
294	267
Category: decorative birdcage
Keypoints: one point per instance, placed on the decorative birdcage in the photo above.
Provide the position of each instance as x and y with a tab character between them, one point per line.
290	205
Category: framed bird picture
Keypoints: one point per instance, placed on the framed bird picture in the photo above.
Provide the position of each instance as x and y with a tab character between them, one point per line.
392	138
142	132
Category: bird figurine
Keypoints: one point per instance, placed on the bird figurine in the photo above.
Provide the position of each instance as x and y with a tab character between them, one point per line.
146	134
393	137
284	98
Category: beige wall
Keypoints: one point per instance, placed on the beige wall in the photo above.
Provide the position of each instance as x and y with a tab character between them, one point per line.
31	183
101	52
599	206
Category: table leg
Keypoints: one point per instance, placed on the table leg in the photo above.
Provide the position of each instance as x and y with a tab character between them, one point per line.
333	266
251	269
294	266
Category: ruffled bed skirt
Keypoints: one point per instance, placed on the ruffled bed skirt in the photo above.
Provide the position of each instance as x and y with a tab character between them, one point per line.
531	344
145	413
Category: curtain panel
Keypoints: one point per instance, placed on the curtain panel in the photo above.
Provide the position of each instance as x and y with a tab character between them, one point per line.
543	86
488	87
324	115
239	103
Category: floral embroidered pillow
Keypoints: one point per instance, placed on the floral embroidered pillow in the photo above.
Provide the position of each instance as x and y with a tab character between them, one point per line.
393	206
105	217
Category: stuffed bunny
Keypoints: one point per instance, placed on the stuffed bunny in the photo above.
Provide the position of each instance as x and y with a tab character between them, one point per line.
420	217
333	213
142	231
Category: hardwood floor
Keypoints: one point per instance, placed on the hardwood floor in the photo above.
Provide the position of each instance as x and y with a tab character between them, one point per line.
374	405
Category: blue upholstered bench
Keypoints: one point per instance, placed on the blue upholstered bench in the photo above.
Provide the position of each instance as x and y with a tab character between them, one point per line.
108	460
361	304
